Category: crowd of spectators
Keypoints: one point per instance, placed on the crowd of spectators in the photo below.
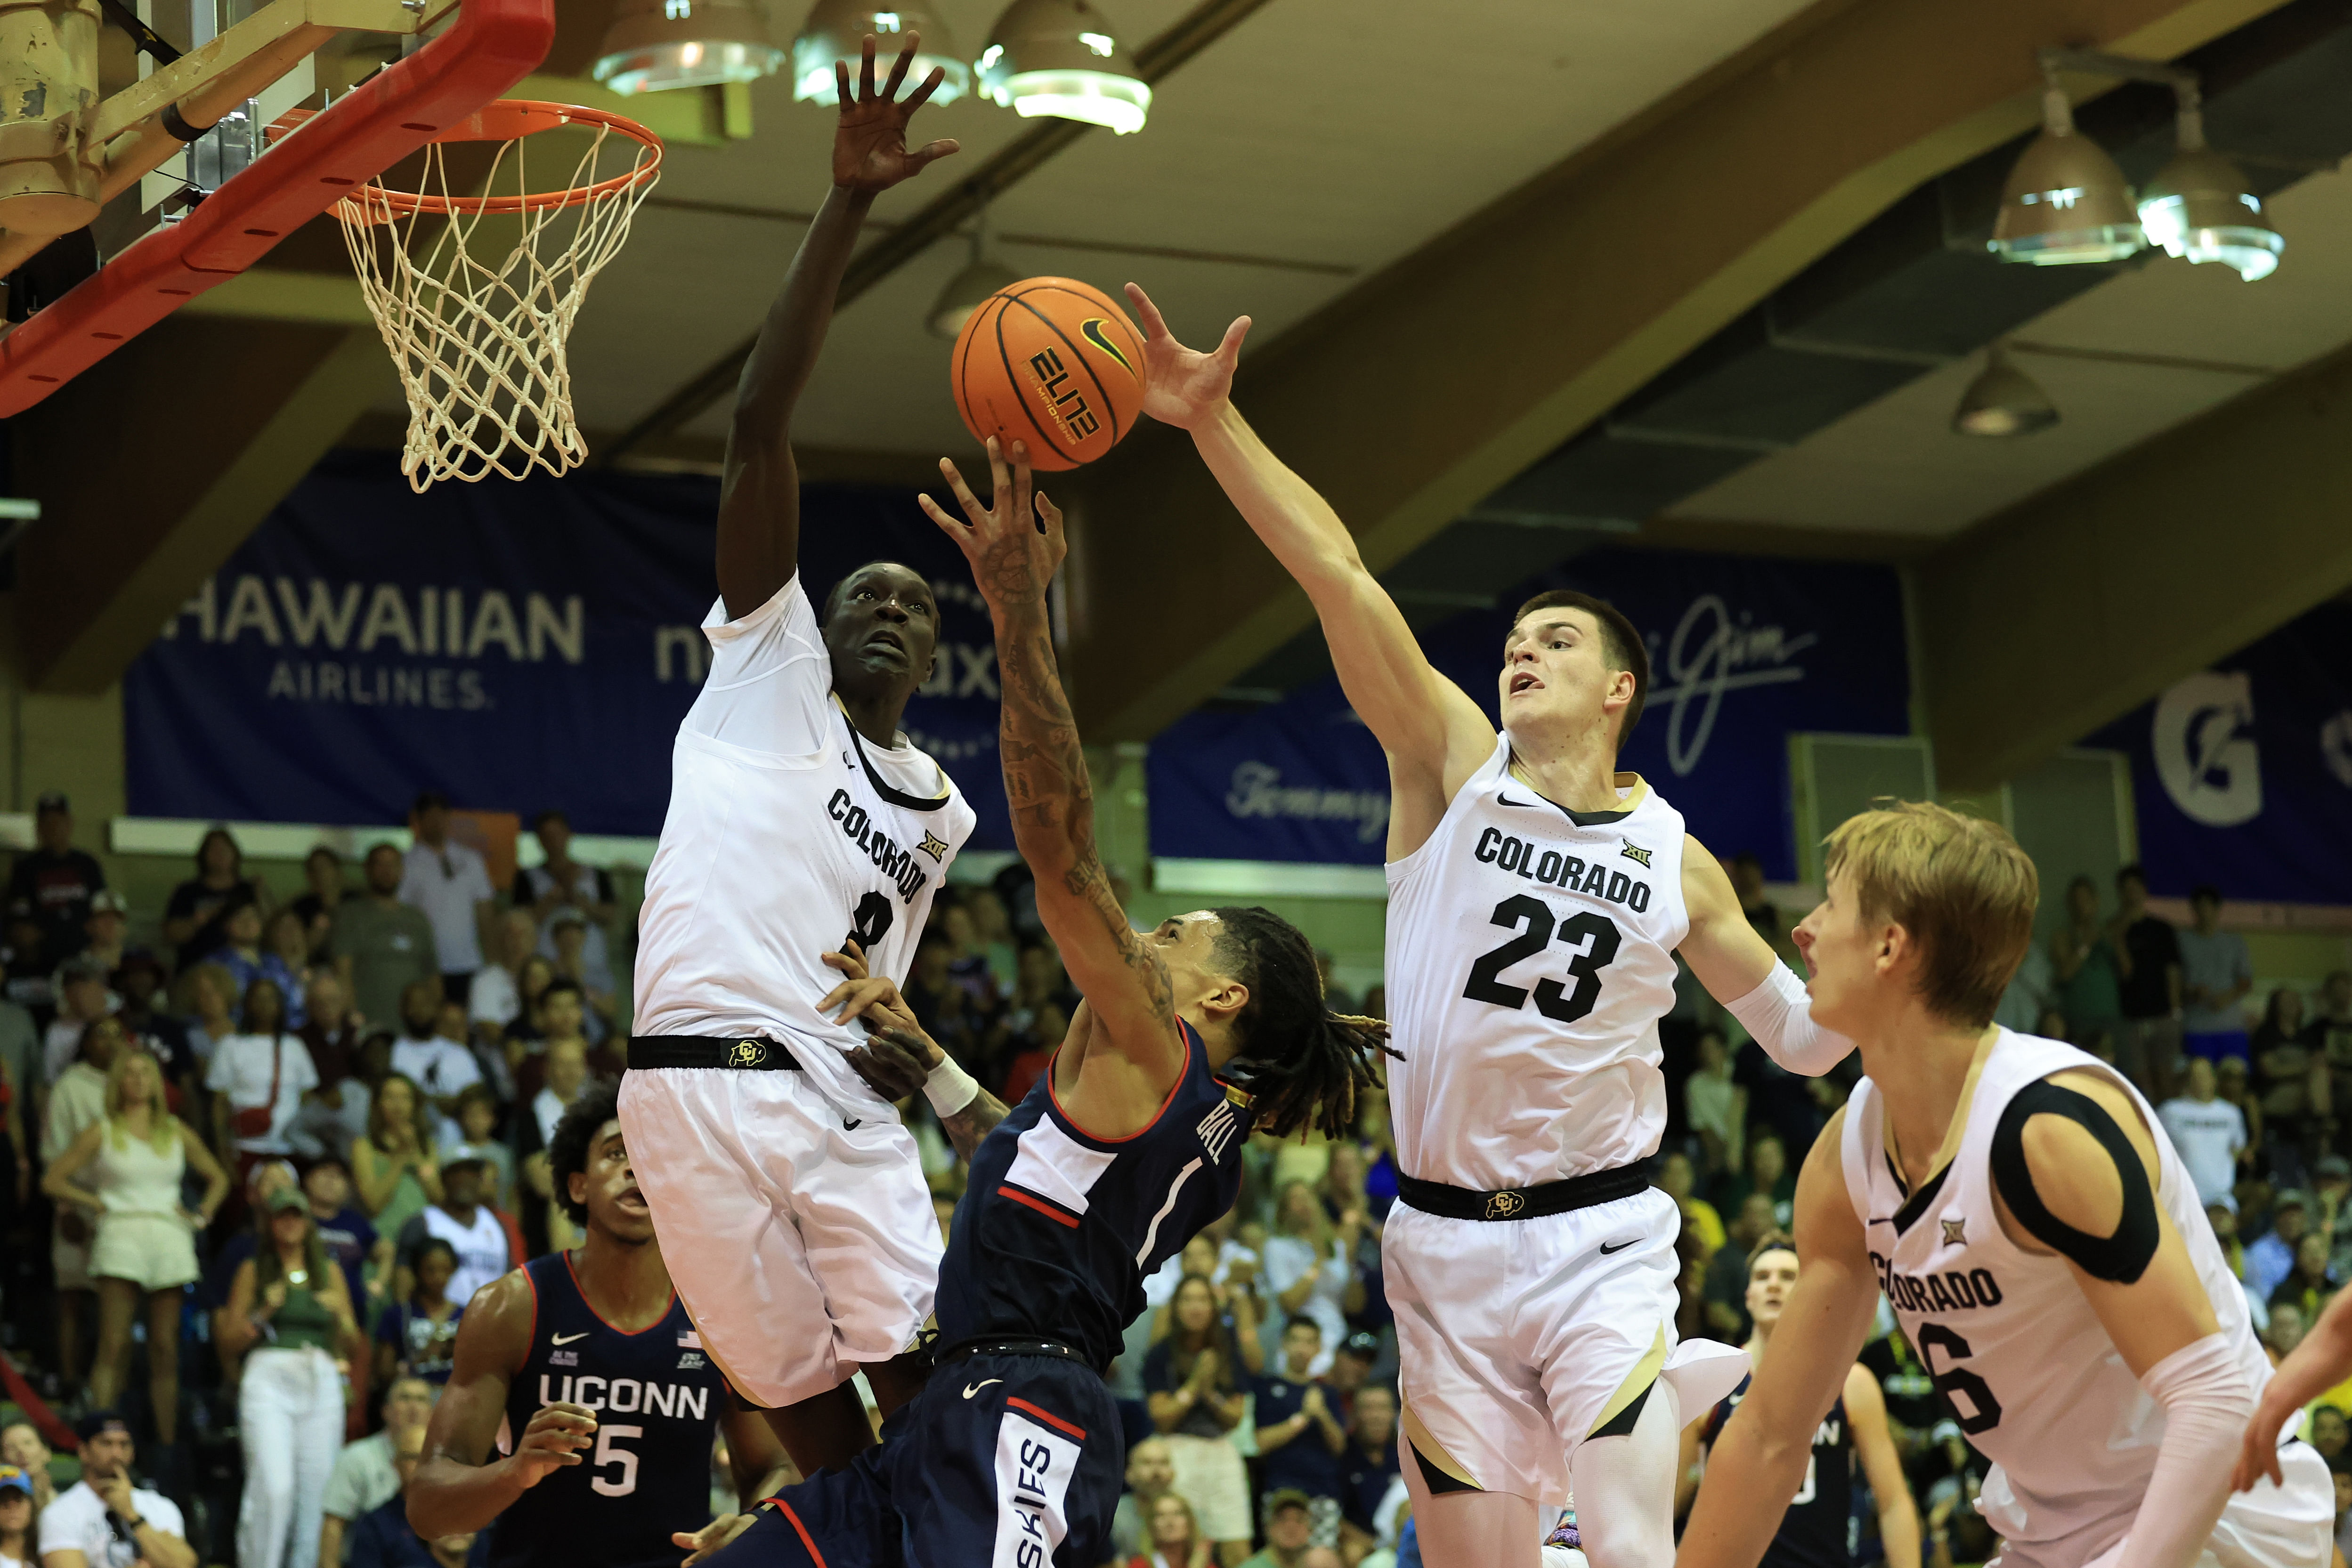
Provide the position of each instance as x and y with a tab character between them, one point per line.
267	1159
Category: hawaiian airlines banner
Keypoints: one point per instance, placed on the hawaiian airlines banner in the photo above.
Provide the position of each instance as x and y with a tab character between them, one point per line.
1743	651
516	645
2241	775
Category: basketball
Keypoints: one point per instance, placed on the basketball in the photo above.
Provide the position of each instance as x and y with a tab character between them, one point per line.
1054	362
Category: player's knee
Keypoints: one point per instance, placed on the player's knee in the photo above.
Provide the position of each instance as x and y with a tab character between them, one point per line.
1625	1537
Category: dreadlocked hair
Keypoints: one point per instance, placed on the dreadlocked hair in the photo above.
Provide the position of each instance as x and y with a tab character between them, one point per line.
1301	1064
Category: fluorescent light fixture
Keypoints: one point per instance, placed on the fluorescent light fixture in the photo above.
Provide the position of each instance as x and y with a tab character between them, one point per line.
836	29
2004	401
654	45
1061	57
2065	202
2201	208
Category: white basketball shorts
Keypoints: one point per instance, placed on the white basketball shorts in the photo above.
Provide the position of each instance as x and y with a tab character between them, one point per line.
802	1247
1513	1336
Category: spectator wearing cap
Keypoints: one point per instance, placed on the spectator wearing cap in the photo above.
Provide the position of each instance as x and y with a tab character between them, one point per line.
289	1316
2270	1258
18	1544
105	927
21	1445
104	1520
56	879
82	999
366	1474
381	946
2216	972
1289	1532
195	917
461	1218
451	884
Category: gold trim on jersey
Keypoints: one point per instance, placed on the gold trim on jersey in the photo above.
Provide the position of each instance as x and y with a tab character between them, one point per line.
1433	1452
1645	1373
1950	1147
1639	786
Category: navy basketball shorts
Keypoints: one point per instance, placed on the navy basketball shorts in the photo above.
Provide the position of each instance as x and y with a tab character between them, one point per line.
1003	1461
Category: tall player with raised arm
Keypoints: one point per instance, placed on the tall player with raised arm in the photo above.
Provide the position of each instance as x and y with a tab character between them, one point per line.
2039	1239
1537	898
800	820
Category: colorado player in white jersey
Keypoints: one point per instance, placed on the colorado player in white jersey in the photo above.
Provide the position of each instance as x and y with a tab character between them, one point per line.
789	1198
1537	897
2038	1237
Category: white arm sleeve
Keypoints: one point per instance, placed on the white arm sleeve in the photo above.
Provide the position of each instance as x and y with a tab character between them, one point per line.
2207	1403
1780	1016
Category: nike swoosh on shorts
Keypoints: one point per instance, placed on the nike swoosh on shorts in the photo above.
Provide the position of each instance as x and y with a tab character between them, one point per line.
971	1388
1606	1250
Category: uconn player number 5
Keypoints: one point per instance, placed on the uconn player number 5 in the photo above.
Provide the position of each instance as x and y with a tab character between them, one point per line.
1596	932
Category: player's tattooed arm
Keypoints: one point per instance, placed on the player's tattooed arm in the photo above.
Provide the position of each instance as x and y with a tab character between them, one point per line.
1014	546
758	495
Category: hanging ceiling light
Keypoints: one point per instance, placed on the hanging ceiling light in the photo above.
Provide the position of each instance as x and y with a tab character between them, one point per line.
2004	401
655	45
837	30
1060	58
2199	207
969	289
2065	202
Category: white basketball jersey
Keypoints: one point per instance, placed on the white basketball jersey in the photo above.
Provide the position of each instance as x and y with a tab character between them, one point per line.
787	835
2007	1334
1530	956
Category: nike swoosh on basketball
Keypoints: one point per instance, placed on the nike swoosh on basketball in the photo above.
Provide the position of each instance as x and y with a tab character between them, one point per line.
568	1338
1606	1248
971	1388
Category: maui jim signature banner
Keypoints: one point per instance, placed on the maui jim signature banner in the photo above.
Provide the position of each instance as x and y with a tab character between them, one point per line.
516	645
2241	775
1743	651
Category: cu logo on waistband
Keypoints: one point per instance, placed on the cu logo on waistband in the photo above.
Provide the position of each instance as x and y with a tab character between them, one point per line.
748	1053
1504	1205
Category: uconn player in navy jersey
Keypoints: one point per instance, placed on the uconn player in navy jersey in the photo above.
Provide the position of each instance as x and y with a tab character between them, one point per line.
1012	1456
584	1372
1819	1527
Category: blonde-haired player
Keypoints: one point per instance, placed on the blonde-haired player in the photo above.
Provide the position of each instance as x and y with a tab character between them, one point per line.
2040	1241
1537	899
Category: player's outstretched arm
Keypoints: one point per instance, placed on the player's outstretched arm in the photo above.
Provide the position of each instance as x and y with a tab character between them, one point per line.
2322	1361
758	495
2075	1173
1759	1459
1874	1445
454	1493
1740	970
1422	720
1014	546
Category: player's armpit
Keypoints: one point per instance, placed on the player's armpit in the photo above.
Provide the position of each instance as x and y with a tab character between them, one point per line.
2074	1173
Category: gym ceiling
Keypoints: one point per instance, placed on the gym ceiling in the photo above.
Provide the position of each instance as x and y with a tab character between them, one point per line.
1528	277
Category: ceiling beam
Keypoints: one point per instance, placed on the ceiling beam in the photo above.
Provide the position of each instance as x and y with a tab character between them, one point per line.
1158	58
2070	610
154	465
1428	387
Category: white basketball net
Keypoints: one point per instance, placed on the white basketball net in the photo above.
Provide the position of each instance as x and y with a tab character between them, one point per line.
479	344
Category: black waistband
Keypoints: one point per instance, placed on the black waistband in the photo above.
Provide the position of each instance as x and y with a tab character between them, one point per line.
744	1053
1011	1344
1524	1202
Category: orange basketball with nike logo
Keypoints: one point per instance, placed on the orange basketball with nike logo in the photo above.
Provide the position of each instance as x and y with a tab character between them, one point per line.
1053	362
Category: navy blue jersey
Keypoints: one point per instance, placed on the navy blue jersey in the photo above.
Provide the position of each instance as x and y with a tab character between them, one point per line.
1059	1228
1819	1530
658	1400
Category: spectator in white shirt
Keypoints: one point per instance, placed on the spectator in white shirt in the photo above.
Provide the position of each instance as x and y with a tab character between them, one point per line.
450	883
497	999
2209	1134
104	1521
441	1067
258	1077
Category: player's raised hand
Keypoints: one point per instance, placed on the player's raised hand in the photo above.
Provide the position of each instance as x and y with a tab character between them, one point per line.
869	146
556	1436
1182	386
1014	543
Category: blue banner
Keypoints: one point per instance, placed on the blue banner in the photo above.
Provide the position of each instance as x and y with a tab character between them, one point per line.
2241	775
516	645
1743	650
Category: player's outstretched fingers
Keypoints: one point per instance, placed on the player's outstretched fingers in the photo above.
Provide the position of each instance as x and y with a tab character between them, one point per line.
972	510
1155	324
1021	482
898	67
1049	523
999	478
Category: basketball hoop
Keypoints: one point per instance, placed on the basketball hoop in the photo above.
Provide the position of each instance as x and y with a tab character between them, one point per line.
480	345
